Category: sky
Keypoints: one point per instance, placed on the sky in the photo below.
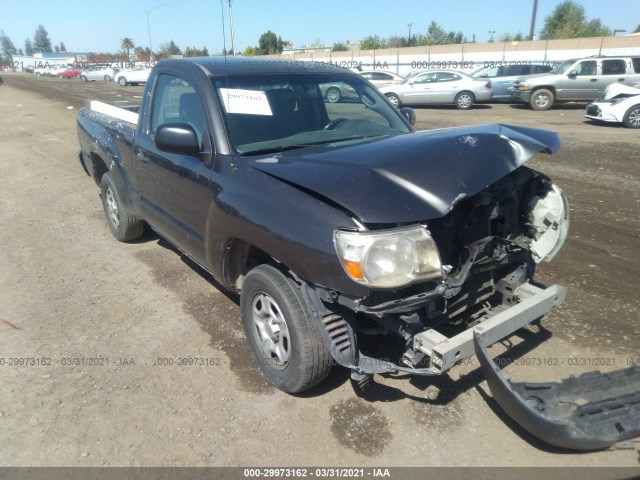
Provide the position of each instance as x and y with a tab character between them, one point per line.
98	26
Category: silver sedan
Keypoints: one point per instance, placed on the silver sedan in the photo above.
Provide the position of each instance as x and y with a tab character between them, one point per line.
438	87
98	73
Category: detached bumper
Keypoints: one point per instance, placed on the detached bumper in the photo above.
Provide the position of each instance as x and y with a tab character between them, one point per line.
591	412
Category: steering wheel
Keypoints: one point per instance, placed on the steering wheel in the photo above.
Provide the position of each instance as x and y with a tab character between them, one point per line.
334	123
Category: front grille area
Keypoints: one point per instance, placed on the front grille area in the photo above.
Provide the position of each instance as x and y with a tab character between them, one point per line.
593	110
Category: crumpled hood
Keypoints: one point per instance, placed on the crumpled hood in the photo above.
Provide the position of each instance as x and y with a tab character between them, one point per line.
410	177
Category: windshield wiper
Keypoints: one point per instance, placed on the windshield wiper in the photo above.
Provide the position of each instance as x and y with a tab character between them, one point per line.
274	149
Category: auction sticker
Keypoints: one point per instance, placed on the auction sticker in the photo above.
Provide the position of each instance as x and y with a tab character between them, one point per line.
251	102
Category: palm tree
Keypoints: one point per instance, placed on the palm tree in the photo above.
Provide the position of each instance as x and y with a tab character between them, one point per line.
127	44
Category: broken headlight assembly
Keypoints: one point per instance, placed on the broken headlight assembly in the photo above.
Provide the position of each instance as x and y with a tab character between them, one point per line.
389	258
549	217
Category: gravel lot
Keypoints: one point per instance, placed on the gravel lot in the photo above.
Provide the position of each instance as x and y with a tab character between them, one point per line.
99	322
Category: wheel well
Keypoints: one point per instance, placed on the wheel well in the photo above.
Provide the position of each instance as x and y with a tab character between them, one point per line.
551	89
239	258
99	167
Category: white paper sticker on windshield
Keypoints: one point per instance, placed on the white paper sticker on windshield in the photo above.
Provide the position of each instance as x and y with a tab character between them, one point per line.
250	102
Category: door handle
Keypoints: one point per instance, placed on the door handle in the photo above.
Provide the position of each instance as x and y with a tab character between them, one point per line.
593	80
141	158
621	79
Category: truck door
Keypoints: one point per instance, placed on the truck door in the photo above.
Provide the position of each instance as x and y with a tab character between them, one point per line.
174	188
612	71
583	85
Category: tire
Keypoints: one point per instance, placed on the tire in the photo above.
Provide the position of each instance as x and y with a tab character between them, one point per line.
122	81
464	100
123	226
83	78
333	95
107	78
284	338
632	117
394	99
541	99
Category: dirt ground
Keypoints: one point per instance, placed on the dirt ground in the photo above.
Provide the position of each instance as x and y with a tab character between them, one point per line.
87	379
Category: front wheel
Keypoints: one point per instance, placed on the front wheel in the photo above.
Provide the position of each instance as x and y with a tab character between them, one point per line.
394	99
123	226
83	78
464	100
541	99
632	117
107	78
122	81
285	339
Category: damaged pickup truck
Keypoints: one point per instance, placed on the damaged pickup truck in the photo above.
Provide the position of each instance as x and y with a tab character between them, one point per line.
336	221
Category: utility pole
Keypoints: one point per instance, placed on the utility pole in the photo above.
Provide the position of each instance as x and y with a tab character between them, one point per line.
533	19
231	25
409	25
149	29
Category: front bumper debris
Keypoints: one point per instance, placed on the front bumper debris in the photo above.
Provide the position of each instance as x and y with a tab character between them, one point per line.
591	412
533	303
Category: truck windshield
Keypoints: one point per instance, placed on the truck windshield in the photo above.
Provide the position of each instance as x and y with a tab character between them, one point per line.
275	112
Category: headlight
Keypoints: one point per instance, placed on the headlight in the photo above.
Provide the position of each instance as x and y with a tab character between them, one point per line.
523	87
389	258
549	215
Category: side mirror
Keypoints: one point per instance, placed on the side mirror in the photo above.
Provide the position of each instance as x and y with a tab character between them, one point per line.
484	75
409	114
177	138
572	73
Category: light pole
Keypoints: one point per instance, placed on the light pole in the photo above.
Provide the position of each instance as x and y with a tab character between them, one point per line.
231	25
149	29
491	32
618	30
409	25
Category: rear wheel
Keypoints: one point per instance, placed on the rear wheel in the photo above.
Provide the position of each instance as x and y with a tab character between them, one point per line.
123	226
541	99
107	78
334	95
464	100
285	339
83	78
632	117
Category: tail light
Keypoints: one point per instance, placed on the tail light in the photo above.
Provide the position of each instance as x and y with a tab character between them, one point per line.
488	84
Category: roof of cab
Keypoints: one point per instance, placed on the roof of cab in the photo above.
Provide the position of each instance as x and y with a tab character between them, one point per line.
251	65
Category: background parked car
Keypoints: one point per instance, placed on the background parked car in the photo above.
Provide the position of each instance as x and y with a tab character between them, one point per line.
576	80
436	87
380	77
503	76
69	73
620	104
133	76
98	73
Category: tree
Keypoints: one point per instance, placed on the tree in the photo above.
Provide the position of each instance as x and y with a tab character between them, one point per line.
269	43
568	20
436	35
63	48
28	47
251	52
41	40
7	48
168	49
373	42
396	41
127	44
196	52
637	30
339	47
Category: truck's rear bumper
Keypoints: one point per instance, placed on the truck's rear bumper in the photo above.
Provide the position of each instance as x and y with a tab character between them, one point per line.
591	412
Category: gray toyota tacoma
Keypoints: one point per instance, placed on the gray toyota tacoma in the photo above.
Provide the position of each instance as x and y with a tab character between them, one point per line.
337	222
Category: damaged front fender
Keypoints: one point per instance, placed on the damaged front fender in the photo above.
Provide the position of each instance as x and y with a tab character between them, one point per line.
591	412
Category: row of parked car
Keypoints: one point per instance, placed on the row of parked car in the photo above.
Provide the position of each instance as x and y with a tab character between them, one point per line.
611	81
131	76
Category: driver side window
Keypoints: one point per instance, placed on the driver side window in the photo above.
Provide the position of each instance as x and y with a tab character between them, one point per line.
588	67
